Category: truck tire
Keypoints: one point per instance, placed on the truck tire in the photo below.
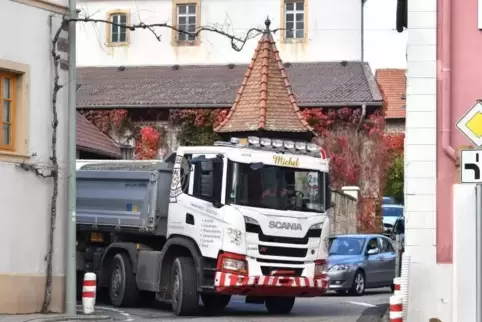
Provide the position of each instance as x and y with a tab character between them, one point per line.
215	302
280	305
122	287
184	295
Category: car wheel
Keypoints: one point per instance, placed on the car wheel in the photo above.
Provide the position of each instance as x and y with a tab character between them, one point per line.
358	286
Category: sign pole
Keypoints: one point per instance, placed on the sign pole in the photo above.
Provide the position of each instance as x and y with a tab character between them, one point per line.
478	255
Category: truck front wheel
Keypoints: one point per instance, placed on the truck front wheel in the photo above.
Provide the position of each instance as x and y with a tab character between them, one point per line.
184	295
122	288
215	301
279	305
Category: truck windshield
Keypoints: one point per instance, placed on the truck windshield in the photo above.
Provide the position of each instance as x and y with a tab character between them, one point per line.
274	187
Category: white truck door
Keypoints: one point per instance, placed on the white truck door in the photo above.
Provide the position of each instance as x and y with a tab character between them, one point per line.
193	215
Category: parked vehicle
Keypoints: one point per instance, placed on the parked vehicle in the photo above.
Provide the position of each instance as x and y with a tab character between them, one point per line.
388	201
361	261
209	221
390	214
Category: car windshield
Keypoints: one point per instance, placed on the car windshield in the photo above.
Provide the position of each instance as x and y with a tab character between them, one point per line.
388	211
274	187
346	245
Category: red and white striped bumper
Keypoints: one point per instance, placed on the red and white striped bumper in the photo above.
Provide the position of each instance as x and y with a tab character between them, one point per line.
227	283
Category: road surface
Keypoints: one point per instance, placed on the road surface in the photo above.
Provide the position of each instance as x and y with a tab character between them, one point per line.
331	307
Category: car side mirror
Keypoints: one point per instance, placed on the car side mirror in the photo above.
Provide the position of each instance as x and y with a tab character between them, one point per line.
372	251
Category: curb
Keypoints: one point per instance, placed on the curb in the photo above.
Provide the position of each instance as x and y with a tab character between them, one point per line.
73	318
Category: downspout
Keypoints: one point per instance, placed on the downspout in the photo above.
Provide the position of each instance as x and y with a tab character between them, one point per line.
444	67
362	41
362	117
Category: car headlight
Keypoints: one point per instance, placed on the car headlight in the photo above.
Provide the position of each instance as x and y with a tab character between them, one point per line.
338	268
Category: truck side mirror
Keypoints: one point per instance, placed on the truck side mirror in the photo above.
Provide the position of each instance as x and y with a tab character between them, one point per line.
399	226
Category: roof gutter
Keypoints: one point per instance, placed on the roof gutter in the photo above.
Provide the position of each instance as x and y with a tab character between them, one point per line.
219	105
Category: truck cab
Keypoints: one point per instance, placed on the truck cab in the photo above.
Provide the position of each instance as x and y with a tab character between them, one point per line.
229	219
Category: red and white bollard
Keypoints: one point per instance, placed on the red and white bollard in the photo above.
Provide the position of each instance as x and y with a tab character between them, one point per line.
89	293
397	286
396	308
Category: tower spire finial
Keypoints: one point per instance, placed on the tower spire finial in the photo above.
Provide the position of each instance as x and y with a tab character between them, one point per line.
267	23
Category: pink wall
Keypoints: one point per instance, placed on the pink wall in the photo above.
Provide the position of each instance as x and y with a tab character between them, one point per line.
459	66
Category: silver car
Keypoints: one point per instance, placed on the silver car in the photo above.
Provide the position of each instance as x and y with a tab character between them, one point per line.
360	261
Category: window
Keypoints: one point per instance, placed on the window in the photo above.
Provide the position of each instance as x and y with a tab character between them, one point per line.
14	111
118	35
274	187
208	177
346	245
294	19
385	246
186	21
7	116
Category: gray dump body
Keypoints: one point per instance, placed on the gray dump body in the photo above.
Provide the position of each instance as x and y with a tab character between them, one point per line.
124	197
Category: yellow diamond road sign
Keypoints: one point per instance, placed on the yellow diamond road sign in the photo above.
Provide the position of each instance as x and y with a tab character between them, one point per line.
471	124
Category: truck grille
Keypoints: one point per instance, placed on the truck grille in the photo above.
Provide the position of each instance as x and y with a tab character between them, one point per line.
282	251
267	270
312	233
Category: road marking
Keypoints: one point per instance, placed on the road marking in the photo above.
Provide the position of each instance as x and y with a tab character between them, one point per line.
361	303
125	314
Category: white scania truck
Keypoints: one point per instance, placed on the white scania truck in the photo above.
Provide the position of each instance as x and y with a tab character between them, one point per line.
210	221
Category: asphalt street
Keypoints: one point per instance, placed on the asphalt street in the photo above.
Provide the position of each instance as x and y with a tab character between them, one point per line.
331	307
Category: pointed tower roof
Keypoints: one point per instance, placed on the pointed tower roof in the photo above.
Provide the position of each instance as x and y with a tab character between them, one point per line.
265	100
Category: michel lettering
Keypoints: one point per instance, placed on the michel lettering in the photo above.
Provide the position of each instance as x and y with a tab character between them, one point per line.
287	162
284	225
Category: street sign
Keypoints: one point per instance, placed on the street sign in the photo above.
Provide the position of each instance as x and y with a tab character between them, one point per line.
471	124
471	166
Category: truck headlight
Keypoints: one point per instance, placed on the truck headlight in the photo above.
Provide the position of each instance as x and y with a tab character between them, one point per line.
251	221
232	263
320	268
317	226
339	268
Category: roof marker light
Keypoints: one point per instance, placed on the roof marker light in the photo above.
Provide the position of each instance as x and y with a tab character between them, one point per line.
265	141
254	140
289	144
277	143
312	147
300	146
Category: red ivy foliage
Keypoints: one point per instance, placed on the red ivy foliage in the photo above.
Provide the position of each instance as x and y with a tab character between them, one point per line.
148	144
106	120
395	142
199	117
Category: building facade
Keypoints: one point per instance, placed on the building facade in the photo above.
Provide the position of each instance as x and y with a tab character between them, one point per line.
321	30
442	85
393	87
26	76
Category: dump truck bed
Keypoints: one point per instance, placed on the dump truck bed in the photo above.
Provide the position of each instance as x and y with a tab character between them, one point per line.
124	196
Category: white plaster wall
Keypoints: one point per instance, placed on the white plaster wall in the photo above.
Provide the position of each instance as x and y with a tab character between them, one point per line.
464	308
384	46
24	197
430	283
334	31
